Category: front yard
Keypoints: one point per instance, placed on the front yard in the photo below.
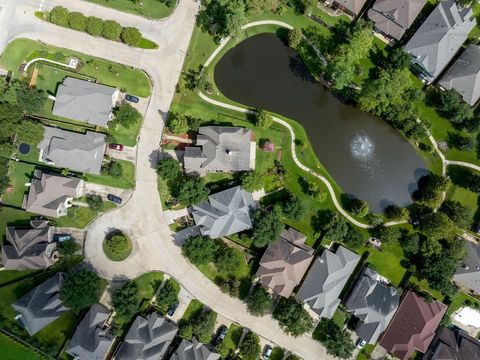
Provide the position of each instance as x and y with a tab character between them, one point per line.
80	216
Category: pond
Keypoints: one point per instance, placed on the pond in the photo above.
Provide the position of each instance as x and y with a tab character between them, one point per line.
367	157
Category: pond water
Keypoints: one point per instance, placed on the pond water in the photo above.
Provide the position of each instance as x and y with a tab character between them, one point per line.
367	158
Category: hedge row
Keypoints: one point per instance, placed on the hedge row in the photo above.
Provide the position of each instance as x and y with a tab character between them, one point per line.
109	29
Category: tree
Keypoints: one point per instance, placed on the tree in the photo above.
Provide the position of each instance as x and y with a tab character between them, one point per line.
168	295
260	6
29	99
410	244
178	124
399	59
295	37
228	260
59	16
95	202
437	225
30	132
168	168
221	18
111	30
458	213
131	36
336	229
250	347
203	326
263	119
354	238
266	227
316	192
193	123
395	212
252	181
77	21
430	188
81	289
199	249
67	248
337	341
292	317
112	168
358	207
197	80
387	234
126	115
293	208
260	301
94	26
451	105
125	300
190	190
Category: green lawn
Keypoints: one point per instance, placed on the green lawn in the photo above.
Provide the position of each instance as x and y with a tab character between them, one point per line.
126	181
126	136
13	217
13	350
133	80
193	309
10	276
80	216
232	339
19	174
458	301
152	9
364	354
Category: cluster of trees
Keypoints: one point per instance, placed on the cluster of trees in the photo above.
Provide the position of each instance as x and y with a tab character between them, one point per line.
109	29
200	326
341	68
336	340
252	180
180	123
464	177
292	317
81	289
358	207
125	115
335	228
17	102
450	105
430	189
397	213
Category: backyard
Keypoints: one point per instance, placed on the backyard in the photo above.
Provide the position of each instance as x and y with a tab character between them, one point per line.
14	350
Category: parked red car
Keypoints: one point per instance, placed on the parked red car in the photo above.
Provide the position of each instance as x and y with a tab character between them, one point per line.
118	147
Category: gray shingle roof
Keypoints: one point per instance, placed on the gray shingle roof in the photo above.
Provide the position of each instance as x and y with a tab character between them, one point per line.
374	304
84	101
74	151
440	37
193	351
326	279
468	275
42	305
224	213
464	75
25	247
353	6
49	194
453	345
394	17
220	148
147	339
90	340
284	263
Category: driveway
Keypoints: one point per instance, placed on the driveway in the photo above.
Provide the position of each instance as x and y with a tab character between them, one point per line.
128	153
104	190
154	247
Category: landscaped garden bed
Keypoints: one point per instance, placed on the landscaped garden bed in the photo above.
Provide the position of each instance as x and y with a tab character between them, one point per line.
117	246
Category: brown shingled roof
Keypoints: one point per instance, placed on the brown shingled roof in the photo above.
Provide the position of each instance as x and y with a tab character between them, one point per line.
413	327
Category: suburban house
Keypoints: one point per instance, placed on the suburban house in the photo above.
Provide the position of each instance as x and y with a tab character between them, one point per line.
193	350
51	195
464	75
453	344
147	338
413	326
373	303
28	247
439	38
85	101
326	279
352	7
71	150
41	306
221	149
468	275
393	17
224	213
285	262
92	339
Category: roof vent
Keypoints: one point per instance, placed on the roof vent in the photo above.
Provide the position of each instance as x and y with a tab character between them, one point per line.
321	261
465	267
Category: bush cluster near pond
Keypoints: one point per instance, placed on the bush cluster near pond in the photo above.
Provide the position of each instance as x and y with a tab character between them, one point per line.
108	29
117	246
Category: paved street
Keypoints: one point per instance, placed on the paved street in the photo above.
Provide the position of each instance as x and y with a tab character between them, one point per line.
142	217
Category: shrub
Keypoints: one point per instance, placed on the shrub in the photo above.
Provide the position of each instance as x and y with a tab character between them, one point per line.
94	26
112	168
131	36
117	247
59	16
77	21
263	119
111	30
94	202
295	37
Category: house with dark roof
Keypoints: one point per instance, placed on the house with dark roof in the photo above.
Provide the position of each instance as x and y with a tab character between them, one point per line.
373	303
464	75
147	339
92	339
393	17
224	213
194	351
221	149
51	195
351	7
326	279
439	38
72	150
413	326
285	262
41	306
453	344
85	101
28	247
468	275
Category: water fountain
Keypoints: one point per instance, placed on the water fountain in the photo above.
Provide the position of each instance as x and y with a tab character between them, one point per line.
362	147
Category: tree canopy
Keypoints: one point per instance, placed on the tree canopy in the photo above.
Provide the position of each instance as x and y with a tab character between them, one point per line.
292	317
221	18
126	115
199	249
168	168
260	301
267	227
252	180
250	347
125	300
190	190
337	341
81	289
458	213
